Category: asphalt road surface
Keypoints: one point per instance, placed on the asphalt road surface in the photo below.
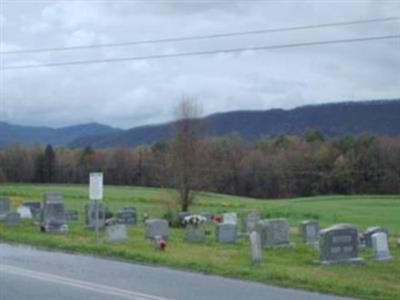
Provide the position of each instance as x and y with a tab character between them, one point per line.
30	274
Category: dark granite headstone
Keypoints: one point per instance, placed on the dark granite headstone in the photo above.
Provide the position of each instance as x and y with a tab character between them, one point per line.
339	244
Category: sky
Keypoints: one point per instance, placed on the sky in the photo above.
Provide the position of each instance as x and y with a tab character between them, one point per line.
132	93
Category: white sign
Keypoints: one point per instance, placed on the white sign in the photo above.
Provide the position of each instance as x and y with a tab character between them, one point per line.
96	186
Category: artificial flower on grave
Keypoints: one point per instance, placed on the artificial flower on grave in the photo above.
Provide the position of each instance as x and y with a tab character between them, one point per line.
194	220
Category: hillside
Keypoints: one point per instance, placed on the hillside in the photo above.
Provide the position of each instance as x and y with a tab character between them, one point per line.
27	135
379	117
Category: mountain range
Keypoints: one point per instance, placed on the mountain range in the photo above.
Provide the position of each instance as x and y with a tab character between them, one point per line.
335	119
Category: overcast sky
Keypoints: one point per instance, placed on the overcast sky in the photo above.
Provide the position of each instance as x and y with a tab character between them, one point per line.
127	94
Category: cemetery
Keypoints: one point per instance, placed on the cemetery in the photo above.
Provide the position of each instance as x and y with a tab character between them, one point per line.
301	243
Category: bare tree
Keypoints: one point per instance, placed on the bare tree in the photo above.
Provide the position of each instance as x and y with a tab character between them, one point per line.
185	148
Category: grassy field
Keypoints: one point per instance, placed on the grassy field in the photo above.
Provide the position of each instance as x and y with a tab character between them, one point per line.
295	267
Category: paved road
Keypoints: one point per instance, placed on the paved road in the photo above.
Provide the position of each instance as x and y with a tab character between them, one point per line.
31	274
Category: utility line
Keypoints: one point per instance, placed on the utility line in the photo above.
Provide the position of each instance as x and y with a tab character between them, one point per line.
198	53
202	37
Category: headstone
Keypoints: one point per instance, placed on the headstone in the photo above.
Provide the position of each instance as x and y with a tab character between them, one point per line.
380	246
52	216
226	233
250	221
24	212
229	218
53	196
4	207
309	230
157	227
116	233
339	244
12	219
91	209
126	216
370	231
71	215
34	206
195	233
274	232
255	247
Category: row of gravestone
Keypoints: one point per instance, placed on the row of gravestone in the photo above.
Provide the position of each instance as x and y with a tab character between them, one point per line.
52	215
339	243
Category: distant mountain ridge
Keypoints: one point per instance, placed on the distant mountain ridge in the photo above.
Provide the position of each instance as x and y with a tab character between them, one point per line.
333	119
28	135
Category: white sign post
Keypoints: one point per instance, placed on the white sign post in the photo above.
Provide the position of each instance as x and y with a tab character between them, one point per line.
96	194
96	186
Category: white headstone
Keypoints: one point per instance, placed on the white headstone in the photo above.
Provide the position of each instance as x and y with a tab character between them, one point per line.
24	212
230	218
255	247
380	246
96	186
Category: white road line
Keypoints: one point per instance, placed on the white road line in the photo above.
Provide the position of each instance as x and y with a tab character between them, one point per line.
99	288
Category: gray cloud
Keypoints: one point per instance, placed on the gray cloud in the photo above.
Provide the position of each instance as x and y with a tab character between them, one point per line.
143	92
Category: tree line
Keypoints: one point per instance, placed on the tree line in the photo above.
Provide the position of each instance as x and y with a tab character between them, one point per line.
283	166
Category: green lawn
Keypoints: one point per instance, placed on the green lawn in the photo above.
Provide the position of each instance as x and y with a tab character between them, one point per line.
295	267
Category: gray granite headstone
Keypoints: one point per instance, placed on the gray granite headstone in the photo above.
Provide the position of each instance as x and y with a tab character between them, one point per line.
12	219
71	215
156	227
226	233
91	209
4	207
195	233
255	247
274	232
116	233
309	230
339	244
250	221
380	246
370	231
35	207
126	216
52	217
229	218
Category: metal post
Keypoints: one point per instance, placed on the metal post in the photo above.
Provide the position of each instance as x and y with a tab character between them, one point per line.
96	224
